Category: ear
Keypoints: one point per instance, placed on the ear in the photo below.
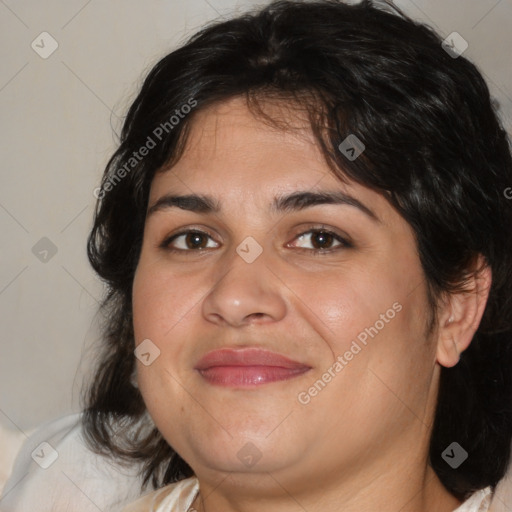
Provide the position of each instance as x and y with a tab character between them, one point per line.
460	315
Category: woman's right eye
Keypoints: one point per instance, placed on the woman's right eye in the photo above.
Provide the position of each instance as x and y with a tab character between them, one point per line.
188	241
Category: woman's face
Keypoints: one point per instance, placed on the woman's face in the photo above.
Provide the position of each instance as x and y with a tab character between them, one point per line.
335	287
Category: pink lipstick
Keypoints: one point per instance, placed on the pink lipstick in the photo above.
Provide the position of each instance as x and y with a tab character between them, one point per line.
247	367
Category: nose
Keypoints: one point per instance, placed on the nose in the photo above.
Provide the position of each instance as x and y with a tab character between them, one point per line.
245	293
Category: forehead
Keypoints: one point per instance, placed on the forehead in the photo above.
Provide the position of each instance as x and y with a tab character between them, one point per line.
228	136
241	158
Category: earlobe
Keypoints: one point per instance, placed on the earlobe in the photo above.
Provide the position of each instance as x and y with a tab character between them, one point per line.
461	314
448	353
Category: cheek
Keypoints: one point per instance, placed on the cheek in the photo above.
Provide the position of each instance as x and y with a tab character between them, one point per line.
160	301
372	317
163	305
344	305
380	360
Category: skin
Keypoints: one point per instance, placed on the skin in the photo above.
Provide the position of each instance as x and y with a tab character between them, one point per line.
361	443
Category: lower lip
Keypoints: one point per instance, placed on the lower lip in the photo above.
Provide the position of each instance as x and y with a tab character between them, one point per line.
249	376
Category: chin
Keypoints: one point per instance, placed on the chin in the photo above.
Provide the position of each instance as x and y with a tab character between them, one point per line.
245	453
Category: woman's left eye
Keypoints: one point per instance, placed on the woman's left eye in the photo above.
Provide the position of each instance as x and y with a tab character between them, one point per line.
322	240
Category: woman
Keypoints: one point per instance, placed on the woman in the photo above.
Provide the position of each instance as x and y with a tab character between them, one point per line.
306	241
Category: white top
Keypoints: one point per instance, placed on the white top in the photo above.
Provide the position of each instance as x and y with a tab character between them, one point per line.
55	472
179	497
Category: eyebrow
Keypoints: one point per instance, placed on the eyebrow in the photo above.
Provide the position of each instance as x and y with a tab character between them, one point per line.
282	204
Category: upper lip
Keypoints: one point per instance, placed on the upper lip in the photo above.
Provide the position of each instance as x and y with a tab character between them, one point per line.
246	357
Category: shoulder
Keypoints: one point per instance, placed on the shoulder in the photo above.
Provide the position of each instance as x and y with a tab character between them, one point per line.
176	497
55	469
479	501
502	497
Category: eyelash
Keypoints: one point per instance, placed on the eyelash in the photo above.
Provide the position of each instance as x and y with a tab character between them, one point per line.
344	243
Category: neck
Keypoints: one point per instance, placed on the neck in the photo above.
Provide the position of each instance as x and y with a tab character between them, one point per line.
417	495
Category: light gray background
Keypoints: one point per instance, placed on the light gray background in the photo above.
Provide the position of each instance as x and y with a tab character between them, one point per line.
58	116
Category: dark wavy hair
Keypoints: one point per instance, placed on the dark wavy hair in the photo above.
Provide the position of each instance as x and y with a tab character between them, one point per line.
435	147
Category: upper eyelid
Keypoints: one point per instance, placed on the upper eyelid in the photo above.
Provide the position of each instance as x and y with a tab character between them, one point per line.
187	231
321	230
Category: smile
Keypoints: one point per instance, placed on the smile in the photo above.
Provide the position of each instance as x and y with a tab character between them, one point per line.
247	367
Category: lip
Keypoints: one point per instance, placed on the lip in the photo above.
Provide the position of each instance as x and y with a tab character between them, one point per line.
247	367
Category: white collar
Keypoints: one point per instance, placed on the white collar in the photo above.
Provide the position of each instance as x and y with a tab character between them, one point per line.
178	497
